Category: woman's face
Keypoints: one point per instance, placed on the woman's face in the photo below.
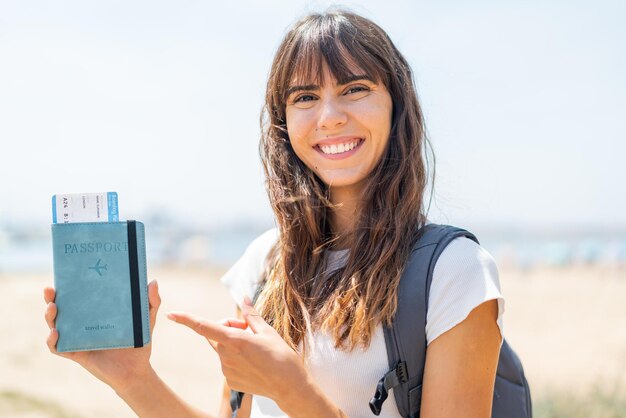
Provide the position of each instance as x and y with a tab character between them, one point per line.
340	129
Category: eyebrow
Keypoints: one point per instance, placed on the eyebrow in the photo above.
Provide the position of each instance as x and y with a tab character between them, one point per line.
341	82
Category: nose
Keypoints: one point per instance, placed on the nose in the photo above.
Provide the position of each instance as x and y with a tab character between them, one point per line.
331	115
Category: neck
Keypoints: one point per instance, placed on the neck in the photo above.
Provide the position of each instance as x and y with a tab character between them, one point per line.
343	217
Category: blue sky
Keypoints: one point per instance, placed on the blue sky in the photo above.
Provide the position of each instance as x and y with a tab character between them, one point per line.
160	101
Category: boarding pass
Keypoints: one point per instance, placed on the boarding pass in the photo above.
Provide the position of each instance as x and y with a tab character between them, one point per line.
85	207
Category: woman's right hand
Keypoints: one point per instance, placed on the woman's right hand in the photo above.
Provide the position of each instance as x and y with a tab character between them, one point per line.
117	368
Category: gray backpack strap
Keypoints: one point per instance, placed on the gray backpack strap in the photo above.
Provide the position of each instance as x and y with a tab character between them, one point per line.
409	326
235	402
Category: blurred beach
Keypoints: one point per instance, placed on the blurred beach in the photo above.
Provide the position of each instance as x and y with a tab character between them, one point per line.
564	317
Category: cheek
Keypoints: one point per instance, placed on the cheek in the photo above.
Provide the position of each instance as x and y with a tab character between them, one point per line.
298	122
377	119
384	117
299	151
298	128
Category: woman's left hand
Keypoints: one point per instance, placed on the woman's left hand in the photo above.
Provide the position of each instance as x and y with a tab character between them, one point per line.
256	361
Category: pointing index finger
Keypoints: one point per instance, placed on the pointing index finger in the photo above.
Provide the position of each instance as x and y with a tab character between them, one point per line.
208	329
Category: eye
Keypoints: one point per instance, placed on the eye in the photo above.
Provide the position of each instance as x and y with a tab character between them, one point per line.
304	98
357	89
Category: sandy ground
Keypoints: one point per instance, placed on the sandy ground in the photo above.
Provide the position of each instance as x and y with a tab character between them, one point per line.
567	325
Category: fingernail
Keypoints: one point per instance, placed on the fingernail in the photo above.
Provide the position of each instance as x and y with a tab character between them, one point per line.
247	301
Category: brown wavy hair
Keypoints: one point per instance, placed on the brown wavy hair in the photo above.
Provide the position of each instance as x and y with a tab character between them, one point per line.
357	297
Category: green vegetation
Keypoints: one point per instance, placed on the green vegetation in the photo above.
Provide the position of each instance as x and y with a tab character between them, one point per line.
597	403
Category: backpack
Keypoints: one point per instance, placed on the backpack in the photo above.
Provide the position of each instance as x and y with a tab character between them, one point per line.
511	397
406	343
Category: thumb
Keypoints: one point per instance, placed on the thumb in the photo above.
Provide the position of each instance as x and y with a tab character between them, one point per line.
154	300
255	321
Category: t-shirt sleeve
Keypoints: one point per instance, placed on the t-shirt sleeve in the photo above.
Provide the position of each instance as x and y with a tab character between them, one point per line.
464	277
243	277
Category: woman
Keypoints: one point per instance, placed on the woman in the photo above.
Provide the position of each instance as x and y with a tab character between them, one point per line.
343	152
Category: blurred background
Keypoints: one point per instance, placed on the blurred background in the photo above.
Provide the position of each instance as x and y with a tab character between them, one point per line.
160	102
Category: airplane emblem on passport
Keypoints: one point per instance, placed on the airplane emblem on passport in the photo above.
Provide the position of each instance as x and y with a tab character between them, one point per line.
98	267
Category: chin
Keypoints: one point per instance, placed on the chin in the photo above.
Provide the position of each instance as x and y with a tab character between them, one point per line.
343	178
342	182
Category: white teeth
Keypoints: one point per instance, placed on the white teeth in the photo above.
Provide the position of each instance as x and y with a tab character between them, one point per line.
336	149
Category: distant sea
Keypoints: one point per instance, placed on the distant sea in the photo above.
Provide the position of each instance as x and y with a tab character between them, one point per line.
24	251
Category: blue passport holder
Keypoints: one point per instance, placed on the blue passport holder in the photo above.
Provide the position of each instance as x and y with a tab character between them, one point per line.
101	285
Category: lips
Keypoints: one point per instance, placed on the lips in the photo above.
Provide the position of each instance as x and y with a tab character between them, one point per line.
336	149
333	149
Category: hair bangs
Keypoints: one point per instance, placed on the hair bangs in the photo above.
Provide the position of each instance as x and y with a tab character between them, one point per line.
331	41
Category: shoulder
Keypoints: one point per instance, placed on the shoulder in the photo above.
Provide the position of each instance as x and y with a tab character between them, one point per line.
244	275
465	276
463	256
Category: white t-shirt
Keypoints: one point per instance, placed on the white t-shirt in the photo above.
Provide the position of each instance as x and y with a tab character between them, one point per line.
464	277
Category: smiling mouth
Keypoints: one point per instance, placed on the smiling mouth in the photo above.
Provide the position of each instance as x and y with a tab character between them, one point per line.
339	148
